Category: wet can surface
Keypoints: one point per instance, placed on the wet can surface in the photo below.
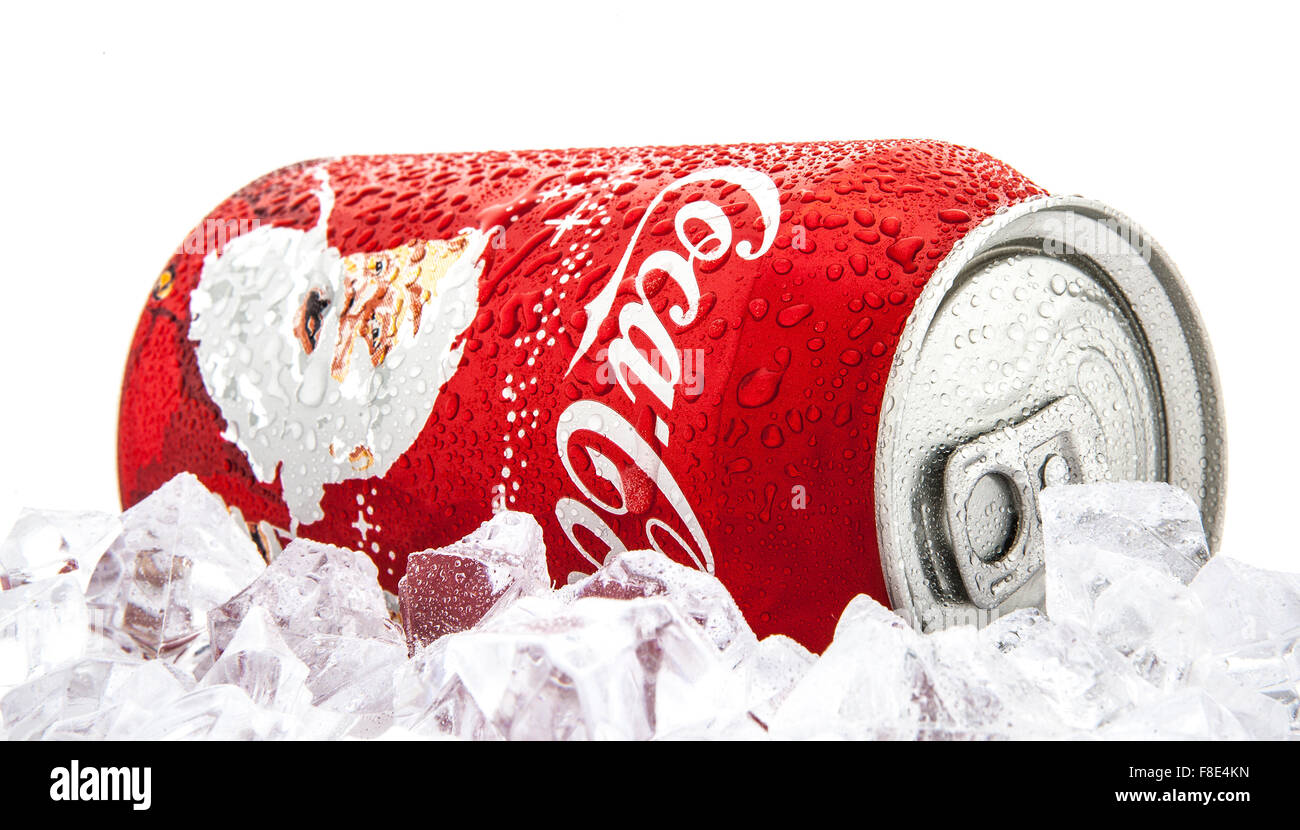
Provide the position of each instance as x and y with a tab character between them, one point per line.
815	370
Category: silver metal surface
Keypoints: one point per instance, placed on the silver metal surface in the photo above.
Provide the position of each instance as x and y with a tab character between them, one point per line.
994	479
1056	343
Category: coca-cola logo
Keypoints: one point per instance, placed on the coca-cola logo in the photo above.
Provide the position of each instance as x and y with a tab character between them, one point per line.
613	487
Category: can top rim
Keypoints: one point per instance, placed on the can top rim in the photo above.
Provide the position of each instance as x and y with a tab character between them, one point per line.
1147	285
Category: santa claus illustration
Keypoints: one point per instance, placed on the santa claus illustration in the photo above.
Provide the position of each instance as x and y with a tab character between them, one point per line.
326	367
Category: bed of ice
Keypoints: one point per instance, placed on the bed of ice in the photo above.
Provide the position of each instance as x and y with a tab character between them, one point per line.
165	622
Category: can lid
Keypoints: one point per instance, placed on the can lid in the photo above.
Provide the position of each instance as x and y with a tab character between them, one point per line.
1056	343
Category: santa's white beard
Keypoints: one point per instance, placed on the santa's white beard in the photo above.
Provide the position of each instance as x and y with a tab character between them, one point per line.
282	406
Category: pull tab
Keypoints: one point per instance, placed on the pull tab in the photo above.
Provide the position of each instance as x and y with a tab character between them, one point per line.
991	485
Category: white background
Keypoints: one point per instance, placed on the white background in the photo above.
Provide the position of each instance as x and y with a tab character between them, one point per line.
123	126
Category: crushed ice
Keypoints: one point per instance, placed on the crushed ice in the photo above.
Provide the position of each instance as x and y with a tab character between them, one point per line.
167	623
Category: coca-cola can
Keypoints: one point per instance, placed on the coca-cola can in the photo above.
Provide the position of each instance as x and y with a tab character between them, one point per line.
813	370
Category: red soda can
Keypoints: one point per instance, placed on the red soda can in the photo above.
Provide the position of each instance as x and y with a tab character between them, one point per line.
814	370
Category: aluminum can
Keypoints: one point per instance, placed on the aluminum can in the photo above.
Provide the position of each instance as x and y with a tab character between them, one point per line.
814	370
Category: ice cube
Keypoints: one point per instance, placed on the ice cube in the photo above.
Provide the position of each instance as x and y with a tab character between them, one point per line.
456	587
974	695
771	670
350	674
44	543
442	593
179	556
967	694
429	702
258	661
1157	623
598	668
328	610
1187	714
42	624
1259	713
401	733
1245	605
879	679
1253	617
211	712
1153	523
87	693
765	676
311	588
1119	557
1059	678
226	713
127	702
870	682
512	539
1271	667
648	573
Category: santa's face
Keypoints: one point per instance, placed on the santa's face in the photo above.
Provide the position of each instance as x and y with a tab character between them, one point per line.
327	367
384	291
